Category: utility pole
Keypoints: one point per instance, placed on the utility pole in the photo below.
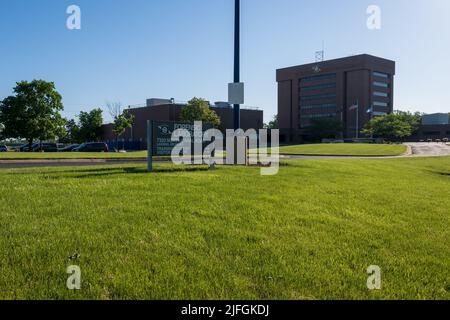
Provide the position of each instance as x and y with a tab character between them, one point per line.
237	30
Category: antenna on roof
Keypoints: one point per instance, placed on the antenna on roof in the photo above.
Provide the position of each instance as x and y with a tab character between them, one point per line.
320	55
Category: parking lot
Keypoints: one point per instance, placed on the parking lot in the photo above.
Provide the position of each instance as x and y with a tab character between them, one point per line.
431	149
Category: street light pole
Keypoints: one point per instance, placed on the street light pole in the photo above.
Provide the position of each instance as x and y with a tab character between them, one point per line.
357	119
237	27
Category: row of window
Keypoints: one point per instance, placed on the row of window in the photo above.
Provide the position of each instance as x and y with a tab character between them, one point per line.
318	115
320	77
380	94
318	106
319	86
381	84
381	75
319	96
380	104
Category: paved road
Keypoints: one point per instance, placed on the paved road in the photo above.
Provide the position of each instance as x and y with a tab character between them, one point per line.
418	150
424	149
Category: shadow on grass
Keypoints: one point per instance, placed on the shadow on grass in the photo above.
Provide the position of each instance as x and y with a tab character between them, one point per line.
137	170
103	172
440	173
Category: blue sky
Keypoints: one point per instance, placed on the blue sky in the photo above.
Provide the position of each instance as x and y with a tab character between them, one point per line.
130	50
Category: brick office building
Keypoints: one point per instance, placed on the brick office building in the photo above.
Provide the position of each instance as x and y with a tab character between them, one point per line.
169	110
330	89
434	126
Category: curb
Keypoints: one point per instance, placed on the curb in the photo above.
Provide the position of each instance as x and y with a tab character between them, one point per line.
340	156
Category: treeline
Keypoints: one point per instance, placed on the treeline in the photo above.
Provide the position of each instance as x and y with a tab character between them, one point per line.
33	113
396	126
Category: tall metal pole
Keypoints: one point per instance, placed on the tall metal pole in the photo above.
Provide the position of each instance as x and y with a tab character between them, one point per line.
150	145
357	119
237	31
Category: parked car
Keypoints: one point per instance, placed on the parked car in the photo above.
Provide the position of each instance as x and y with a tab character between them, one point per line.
46	147
21	147
3	148
92	147
69	148
25	147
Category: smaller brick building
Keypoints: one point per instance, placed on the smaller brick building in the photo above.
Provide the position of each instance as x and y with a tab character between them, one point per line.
168	110
434	126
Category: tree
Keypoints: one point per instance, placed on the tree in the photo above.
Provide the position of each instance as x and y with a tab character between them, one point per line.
325	128
2	128
114	109
33	112
197	109
72	132
272	124
413	119
121	123
90	125
397	125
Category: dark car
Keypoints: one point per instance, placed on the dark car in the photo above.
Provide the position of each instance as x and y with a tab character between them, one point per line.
46	147
69	148
3	148
25	147
92	147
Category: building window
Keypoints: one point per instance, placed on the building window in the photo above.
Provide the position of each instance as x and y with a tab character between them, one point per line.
320	86
380	104
318	115
318	106
318	96
431	133
380	94
381	75
380	84
320	77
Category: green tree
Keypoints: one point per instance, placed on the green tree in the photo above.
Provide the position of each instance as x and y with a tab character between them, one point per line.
413	119
90	125
325	128
397	125
33	113
121	123
72	132
2	128
197	109
272	124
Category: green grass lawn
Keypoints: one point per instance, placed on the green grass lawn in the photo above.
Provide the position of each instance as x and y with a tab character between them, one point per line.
309	149
308	233
347	149
71	155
